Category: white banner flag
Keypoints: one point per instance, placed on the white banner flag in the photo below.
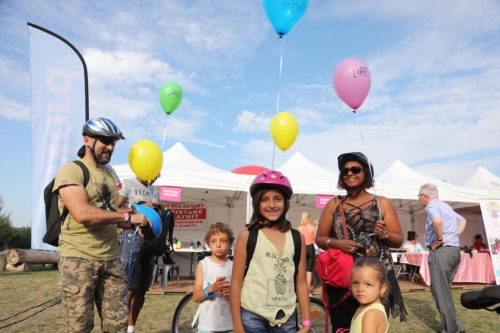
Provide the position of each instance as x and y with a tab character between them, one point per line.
59	108
490	209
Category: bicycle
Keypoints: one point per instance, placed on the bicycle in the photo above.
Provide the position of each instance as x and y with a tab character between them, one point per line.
482	299
186	315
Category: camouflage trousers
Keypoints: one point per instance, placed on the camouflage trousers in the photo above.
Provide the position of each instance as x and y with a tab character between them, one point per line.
84	282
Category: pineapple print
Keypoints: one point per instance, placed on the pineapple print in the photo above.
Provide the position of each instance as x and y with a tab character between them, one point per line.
280	280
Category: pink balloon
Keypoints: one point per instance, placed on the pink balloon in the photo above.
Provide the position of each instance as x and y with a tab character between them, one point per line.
351	82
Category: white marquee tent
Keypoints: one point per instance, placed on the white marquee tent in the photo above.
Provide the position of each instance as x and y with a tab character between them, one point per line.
308	180
485	180
226	194
401	185
223	192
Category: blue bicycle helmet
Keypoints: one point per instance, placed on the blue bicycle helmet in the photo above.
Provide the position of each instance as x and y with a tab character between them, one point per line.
102	127
152	215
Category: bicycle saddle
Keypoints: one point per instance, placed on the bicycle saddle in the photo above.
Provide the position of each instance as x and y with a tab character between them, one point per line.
482	299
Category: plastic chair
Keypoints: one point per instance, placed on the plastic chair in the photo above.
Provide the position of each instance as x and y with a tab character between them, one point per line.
165	270
398	266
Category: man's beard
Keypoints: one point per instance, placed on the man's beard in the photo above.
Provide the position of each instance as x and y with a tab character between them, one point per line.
103	160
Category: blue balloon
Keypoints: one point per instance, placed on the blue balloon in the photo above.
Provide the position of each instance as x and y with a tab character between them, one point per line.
284	14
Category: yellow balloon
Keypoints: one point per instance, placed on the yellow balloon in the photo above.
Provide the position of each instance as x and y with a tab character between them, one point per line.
145	159
284	130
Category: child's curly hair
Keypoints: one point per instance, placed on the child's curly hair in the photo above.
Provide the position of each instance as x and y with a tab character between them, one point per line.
223	228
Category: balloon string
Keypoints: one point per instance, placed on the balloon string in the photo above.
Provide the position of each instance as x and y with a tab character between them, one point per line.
164	134
369	161
278	101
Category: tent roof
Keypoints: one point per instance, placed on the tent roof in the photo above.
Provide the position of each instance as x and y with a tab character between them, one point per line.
309	178
178	157
401	174
298	166
401	184
484	179
181	168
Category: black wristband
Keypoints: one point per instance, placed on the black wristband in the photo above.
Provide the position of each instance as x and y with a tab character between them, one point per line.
439	240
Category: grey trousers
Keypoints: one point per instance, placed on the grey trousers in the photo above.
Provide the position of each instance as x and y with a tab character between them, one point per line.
443	265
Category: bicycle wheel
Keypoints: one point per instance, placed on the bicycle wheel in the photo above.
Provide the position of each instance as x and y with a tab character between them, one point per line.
186	315
316	315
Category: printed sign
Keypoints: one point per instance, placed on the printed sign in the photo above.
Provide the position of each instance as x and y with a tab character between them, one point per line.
322	200
188	215
490	209
172	194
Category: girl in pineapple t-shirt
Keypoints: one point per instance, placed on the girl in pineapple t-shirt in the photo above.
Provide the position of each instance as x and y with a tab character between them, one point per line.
264	300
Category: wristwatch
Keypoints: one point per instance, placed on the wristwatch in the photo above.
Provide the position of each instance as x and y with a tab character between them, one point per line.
127	217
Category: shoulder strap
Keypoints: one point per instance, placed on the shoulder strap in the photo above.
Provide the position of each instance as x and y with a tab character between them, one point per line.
297	248
341	210
86	179
171	226
86	173
297	244
251	243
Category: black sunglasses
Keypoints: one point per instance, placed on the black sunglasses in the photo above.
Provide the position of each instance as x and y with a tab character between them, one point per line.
106	141
354	169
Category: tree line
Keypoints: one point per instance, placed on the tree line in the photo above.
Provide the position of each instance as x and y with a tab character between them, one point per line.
11	237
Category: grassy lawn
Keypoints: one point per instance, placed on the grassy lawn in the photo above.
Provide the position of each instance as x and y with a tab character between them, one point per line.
21	291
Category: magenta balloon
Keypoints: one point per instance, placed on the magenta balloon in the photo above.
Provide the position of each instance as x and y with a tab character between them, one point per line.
351	82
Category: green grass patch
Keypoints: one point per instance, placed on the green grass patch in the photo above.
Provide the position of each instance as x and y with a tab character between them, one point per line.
21	291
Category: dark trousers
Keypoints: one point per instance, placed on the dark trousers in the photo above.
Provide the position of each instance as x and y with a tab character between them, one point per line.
443	265
341	316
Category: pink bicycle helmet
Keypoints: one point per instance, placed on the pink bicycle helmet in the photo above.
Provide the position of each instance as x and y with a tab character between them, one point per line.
271	178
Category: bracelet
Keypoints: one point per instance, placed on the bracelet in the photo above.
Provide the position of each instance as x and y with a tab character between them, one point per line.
439	240
127	217
328	243
385	235
207	294
306	323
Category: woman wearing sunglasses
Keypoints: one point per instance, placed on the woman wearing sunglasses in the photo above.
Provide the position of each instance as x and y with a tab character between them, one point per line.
372	227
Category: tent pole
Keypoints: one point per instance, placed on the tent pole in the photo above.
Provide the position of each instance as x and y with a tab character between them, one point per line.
412	219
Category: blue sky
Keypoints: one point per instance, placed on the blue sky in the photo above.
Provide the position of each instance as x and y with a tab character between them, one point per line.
434	102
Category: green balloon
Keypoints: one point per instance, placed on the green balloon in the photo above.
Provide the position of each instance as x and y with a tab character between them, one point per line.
170	97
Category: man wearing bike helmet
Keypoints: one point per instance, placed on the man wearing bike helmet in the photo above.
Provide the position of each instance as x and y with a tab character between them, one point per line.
89	264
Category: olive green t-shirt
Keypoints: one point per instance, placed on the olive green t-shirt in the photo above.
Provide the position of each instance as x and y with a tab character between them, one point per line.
85	241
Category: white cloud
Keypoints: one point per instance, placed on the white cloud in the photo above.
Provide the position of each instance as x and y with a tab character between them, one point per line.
120	69
13	81
248	121
236	143
13	110
206	143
